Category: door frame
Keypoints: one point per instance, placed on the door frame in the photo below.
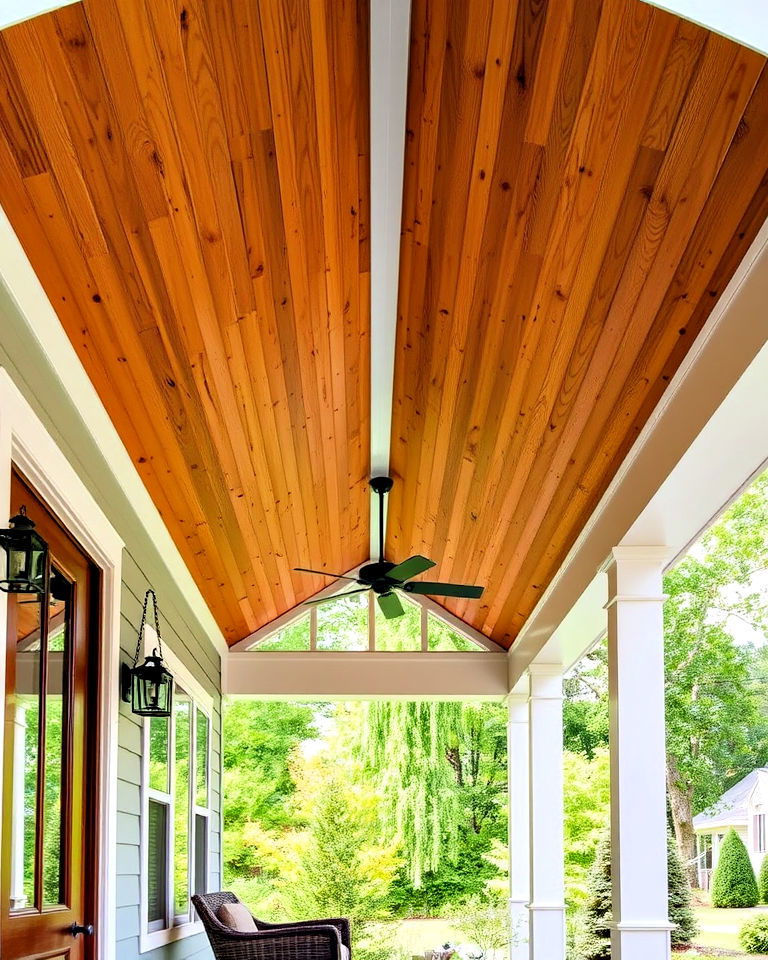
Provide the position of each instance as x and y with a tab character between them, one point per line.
27	445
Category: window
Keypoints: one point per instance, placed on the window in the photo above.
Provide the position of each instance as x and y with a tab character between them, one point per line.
176	809
759	832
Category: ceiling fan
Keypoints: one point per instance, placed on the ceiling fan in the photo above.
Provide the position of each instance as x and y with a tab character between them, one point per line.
385	578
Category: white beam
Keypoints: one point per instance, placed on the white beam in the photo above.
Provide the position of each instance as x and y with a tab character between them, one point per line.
14	11
365	675
640	928
705	439
390	36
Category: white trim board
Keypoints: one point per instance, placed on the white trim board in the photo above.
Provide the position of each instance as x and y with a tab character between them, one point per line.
706	438
366	675
25	443
745	21
35	339
15	11
389	43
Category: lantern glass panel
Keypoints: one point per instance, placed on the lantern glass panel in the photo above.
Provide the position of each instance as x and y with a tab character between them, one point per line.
26	552
151	689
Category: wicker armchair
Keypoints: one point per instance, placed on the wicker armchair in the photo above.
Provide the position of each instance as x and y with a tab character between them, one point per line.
308	940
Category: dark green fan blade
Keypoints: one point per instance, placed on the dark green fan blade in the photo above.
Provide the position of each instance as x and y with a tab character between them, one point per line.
390	606
324	573
411	567
445	589
336	596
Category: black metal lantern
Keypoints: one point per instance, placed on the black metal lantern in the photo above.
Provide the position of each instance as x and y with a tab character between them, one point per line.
148	687
26	553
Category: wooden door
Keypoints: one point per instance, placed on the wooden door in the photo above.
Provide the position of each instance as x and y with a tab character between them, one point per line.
48	841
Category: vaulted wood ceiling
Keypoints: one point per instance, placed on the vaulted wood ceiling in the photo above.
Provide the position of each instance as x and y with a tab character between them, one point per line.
190	182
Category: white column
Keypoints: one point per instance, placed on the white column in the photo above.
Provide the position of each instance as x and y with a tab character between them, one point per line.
545	718
640	929
519	833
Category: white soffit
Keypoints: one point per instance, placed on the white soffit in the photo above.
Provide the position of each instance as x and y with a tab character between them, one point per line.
745	21
14	11
706	439
389	39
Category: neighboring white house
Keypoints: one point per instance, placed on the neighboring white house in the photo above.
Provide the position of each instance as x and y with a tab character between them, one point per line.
744	808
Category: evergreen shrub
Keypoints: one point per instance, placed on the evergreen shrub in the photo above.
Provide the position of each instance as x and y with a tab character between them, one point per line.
753	935
733	882
762	880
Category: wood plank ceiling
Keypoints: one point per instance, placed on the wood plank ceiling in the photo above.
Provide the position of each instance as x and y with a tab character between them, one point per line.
190	181
582	179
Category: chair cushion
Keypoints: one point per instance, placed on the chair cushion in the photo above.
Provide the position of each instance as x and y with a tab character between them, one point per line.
237	916
344	952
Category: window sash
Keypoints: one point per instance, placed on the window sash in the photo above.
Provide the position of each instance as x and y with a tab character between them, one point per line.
172	920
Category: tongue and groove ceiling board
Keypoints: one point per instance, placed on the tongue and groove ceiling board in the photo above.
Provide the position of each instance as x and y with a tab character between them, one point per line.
190	182
582	179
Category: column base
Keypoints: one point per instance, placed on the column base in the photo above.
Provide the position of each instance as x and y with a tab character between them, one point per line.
547	931
518	925
641	941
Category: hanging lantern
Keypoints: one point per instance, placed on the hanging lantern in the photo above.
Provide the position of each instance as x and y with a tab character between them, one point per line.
26	554
148	687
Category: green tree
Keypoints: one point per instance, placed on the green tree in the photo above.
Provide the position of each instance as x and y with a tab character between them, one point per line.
715	730
595	936
762	880
585	704
733	882
442	768
258	740
586	811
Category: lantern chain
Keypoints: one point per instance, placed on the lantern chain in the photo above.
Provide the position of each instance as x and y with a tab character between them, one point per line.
143	622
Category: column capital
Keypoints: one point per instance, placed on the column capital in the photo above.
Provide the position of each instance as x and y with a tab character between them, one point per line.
546	681
652	554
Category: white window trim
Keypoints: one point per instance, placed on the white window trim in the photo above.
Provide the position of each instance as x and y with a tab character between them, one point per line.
26	444
203	702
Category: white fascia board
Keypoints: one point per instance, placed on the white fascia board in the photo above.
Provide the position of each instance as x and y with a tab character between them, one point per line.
745	21
366	675
46	369
14	11
706	439
389	45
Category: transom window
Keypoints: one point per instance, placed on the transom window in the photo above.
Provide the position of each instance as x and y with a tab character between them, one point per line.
356	623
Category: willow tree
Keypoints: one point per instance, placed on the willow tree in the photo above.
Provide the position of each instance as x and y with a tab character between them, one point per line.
442	770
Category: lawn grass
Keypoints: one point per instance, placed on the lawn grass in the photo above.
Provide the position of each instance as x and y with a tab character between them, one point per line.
416	936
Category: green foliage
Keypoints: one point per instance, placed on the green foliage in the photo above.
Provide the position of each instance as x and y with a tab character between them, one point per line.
733	881
594	939
484	919
680	904
762	880
442	768
753	935
585	705
586	810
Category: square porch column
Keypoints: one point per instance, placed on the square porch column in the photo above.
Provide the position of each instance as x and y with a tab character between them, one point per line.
547	906
519	834
640	928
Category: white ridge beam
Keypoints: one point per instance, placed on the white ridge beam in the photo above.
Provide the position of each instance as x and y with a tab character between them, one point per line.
390	35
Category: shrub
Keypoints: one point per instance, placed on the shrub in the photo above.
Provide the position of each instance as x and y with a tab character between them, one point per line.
762	880
753	936
594	939
733	882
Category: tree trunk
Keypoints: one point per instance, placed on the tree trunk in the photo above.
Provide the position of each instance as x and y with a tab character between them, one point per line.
682	818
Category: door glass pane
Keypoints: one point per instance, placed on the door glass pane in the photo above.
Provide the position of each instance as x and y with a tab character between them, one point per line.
201	759
56	724
158	754
181	709
25	752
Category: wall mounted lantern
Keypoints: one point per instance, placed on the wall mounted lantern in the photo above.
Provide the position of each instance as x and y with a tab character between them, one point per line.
148	687
26	554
